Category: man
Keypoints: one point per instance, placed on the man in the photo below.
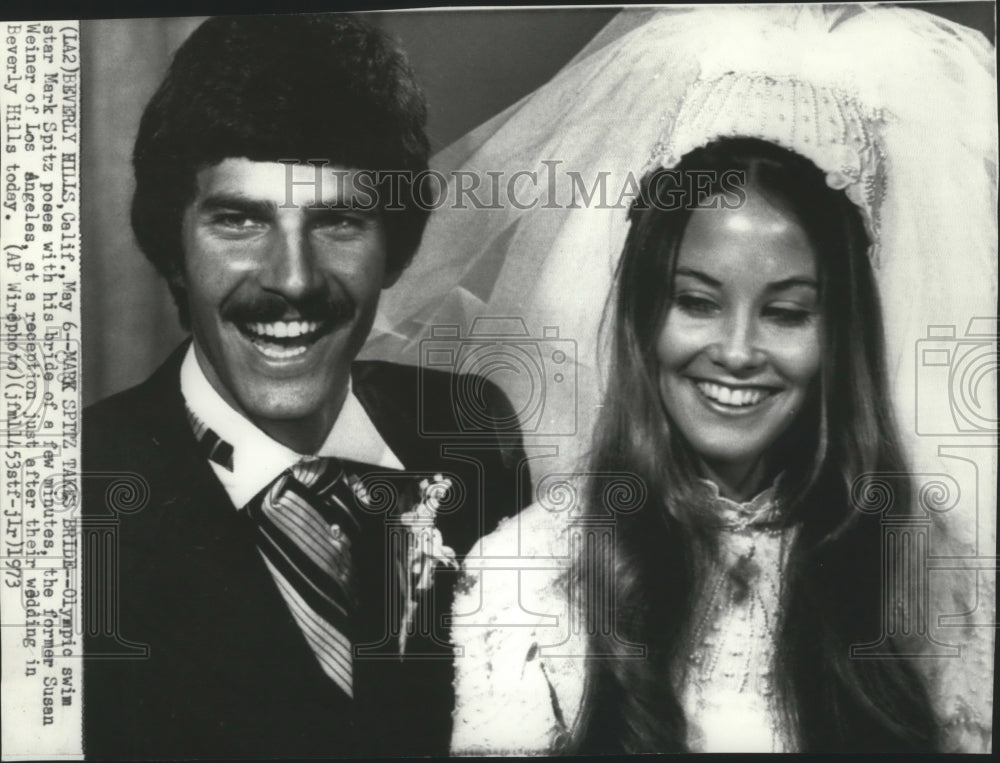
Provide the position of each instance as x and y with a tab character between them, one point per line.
249	603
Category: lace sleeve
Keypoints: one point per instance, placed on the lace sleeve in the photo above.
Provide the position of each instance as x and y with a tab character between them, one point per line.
505	703
963	734
962	687
966	715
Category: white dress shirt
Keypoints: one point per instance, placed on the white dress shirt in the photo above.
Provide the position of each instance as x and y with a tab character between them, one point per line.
257	459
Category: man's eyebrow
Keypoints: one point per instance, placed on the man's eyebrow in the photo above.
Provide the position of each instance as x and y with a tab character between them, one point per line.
237	203
334	208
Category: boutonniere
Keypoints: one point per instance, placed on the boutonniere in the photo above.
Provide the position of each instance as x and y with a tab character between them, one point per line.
423	550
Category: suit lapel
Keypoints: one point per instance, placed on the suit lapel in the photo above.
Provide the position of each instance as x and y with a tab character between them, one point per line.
204	558
404	704
220	612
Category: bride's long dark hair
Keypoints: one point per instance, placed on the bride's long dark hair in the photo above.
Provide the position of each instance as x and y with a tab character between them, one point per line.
833	582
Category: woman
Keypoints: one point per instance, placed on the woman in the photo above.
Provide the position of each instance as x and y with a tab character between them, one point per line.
747	395
716	582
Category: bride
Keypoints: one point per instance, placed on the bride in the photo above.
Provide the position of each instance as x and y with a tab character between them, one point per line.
746	397
715	577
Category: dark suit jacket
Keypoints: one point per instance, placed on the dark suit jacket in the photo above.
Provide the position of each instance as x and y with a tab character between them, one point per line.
192	651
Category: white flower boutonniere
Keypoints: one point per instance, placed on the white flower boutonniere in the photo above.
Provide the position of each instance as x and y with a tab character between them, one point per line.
423	550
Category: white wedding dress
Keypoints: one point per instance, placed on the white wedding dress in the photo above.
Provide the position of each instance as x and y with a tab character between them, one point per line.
520	651
520	658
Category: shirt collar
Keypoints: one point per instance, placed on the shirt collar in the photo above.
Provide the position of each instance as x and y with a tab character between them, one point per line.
257	459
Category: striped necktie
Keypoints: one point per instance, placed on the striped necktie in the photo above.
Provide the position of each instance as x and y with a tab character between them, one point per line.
305	527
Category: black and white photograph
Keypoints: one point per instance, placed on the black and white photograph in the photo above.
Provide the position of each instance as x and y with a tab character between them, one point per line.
545	380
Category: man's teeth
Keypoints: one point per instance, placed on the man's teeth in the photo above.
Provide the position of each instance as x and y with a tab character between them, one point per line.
284	328
281	340
731	396
280	353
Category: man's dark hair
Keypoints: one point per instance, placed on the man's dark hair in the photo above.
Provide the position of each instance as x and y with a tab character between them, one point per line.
305	87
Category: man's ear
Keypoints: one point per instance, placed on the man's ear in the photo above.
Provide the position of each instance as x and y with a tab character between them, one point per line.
178	291
174	273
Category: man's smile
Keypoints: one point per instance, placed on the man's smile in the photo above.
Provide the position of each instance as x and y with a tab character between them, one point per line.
284	340
283	329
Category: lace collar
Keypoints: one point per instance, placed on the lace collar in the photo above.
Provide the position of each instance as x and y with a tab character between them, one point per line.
761	510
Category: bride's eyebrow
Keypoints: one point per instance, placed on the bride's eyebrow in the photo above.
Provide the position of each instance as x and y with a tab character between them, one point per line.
791	283
699	275
782	285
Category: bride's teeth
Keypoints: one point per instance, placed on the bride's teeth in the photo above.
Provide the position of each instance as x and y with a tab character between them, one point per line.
729	396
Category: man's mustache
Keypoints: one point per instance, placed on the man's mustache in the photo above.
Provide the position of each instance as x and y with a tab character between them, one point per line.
265	307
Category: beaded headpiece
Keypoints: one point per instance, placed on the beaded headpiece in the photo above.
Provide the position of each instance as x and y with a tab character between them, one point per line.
824	124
